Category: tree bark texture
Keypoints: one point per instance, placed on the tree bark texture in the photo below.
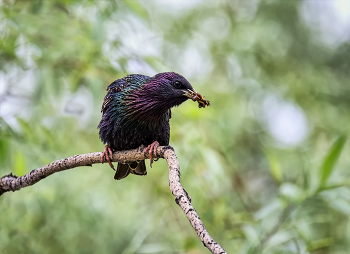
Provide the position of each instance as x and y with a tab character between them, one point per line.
13	183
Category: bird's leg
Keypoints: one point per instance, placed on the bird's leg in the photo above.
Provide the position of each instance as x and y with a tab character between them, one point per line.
106	153
152	150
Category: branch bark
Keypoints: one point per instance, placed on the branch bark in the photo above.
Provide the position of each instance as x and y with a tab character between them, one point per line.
13	183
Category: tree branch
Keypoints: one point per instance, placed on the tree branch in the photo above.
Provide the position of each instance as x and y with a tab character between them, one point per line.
13	183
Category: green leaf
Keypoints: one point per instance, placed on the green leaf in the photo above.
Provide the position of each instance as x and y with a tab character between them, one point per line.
137	8
337	185
19	164
331	159
274	166
4	149
292	192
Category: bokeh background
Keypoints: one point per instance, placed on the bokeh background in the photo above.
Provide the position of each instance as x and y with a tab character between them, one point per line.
266	165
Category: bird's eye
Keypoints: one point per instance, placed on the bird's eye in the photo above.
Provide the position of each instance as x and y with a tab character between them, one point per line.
177	84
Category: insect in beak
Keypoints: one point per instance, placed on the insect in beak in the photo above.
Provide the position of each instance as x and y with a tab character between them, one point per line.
195	96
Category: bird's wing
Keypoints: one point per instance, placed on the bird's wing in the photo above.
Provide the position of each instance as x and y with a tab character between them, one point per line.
119	85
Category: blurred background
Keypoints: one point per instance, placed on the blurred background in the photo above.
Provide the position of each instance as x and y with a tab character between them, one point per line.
266	165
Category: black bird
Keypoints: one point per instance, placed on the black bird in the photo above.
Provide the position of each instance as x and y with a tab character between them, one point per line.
136	111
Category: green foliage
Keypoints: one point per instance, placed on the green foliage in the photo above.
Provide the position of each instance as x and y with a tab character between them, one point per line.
330	160
274	166
260	183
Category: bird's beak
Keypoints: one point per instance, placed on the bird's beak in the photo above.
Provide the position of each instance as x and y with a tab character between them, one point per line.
189	93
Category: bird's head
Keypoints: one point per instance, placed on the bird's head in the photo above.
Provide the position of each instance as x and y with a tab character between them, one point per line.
173	88
152	101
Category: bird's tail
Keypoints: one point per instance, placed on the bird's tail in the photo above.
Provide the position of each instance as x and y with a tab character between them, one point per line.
136	168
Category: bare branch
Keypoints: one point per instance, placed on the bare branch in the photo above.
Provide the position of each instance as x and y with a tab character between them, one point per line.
184	201
285	214
13	183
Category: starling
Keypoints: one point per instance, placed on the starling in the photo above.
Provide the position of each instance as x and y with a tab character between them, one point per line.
136	111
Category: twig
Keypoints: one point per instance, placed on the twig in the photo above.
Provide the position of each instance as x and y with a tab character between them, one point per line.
13	183
285	214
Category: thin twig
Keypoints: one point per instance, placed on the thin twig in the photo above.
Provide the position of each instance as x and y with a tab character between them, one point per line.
13	183
285	214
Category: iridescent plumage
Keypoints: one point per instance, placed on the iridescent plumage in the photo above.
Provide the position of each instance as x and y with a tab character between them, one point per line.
136	111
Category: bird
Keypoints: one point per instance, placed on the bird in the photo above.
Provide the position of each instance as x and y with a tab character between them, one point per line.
136	112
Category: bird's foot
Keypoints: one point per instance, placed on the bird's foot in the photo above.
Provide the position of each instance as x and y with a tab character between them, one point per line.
152	150
107	153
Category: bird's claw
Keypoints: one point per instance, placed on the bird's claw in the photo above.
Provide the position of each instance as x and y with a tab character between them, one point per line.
107	152
152	150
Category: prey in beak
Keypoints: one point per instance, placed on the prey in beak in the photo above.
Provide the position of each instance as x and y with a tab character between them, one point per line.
195	96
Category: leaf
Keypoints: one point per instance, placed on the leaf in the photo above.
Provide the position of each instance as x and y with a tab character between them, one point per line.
292	192
19	164
319	244
337	185
331	159
251	234
4	148
137	8
274	166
